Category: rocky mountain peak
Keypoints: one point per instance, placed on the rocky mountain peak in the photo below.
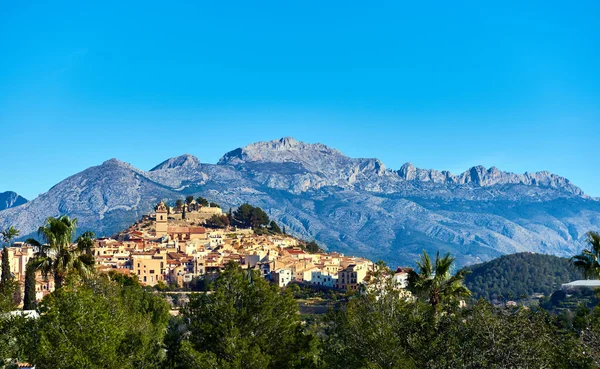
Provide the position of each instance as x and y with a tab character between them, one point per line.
10	199
114	162
408	172
185	161
286	149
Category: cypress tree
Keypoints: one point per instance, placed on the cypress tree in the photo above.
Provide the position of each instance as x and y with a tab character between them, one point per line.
4	280
29	298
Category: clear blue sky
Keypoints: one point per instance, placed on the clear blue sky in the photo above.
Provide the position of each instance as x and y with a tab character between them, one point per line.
445	85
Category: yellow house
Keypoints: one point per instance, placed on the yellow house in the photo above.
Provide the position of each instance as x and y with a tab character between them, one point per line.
149	267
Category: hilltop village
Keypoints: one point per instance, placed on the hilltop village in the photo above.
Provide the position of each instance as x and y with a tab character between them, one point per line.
179	244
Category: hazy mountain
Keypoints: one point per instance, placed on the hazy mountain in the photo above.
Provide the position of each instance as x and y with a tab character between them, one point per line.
10	199
356	206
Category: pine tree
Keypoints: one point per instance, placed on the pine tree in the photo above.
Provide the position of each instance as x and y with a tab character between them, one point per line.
274	227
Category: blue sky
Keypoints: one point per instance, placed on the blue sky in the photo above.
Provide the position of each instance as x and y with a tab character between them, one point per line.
445	85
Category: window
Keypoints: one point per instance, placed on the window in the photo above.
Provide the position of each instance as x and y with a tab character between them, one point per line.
161	217
144	278
152	272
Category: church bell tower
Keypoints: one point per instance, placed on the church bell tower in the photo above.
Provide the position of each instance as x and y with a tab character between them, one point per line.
161	220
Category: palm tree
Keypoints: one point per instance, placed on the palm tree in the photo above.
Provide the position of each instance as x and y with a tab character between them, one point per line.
589	259
9	234
435	282
56	255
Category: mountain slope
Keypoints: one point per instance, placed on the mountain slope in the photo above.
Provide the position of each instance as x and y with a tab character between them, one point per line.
10	199
352	205
512	276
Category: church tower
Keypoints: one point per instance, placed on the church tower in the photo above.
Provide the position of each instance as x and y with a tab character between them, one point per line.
161	223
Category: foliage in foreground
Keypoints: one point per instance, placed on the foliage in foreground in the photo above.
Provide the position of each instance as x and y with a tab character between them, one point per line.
96	324
112	322
244	323
387	332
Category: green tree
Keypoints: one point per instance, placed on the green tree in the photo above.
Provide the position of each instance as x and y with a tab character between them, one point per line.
15	335
245	323
313	247
251	217
435	283
56	255
202	201
189	199
86	242
179	205
6	275
218	221
100	324
274	227
7	236
30	281
589	259
384	330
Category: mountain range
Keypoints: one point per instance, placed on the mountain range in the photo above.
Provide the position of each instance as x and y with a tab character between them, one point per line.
352	205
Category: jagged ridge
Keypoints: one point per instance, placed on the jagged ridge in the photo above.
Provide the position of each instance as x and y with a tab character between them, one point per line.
351	205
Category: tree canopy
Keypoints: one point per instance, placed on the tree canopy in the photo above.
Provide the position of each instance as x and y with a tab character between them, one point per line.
250	217
518	275
100	324
245	323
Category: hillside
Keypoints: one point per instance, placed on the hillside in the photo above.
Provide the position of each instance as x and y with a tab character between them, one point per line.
512	276
352	205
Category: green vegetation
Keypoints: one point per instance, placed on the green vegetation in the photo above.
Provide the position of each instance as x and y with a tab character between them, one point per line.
6	278
435	284
248	216
201	201
10	293
99	323
218	221
55	254
519	275
384	331
244	323
589	259
312	247
111	321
